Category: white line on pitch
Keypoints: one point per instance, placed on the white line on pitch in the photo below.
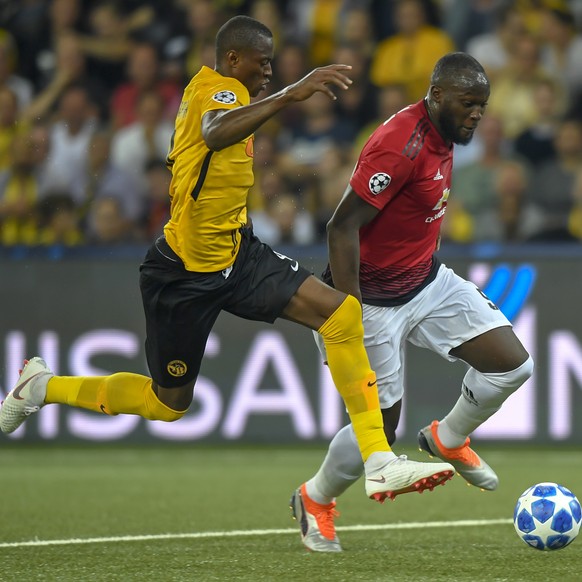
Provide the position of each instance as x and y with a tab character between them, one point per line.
252	532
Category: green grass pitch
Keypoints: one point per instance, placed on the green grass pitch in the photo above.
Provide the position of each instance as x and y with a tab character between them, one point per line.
177	513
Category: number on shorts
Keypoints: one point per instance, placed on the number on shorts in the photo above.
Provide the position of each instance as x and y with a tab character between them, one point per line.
489	302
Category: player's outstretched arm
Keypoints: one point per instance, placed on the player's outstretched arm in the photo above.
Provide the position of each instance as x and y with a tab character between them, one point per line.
225	127
319	79
343	240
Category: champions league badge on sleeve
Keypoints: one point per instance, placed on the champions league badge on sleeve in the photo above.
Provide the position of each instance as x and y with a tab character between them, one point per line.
227	97
379	182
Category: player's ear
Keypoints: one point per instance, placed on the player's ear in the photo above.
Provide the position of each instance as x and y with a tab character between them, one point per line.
232	58
435	93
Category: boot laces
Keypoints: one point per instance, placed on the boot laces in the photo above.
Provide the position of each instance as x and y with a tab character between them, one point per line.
324	516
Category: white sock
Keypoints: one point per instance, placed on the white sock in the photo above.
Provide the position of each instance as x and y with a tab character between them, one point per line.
482	395
377	461
456	426
341	467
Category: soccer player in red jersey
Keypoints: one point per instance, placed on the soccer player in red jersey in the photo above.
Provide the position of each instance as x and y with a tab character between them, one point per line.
382	239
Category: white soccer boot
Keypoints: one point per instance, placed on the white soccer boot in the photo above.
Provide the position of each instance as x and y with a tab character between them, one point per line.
27	397
387	478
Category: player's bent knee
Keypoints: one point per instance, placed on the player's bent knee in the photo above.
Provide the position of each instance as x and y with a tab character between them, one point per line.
345	323
512	380
494	388
158	410
515	378
352	314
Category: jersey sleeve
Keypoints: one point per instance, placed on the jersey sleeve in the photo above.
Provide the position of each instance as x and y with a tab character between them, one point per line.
380	173
228	94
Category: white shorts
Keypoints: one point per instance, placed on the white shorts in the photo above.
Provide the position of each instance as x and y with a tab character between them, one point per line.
444	315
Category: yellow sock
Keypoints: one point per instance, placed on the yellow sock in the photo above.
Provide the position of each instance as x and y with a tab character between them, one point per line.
343	335
121	393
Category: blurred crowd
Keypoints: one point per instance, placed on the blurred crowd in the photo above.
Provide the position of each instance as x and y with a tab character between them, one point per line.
89	90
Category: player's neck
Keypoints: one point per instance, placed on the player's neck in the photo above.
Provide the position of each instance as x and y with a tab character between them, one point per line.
429	105
430	109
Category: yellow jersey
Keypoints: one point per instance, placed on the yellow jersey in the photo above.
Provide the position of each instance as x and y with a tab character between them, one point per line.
208	189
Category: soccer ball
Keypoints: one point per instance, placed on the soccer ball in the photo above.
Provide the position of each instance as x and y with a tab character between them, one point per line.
547	516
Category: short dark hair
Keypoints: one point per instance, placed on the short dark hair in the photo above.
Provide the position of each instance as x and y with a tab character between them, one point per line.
239	33
447	69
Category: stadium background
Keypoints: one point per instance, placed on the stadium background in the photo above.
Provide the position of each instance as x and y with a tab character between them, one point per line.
70	292
265	384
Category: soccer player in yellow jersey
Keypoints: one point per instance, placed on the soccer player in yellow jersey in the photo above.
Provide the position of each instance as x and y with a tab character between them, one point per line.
209	260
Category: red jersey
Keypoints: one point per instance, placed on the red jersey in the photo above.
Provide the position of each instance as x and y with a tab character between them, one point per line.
404	170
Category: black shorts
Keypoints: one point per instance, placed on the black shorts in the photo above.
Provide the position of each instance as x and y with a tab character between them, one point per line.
182	306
